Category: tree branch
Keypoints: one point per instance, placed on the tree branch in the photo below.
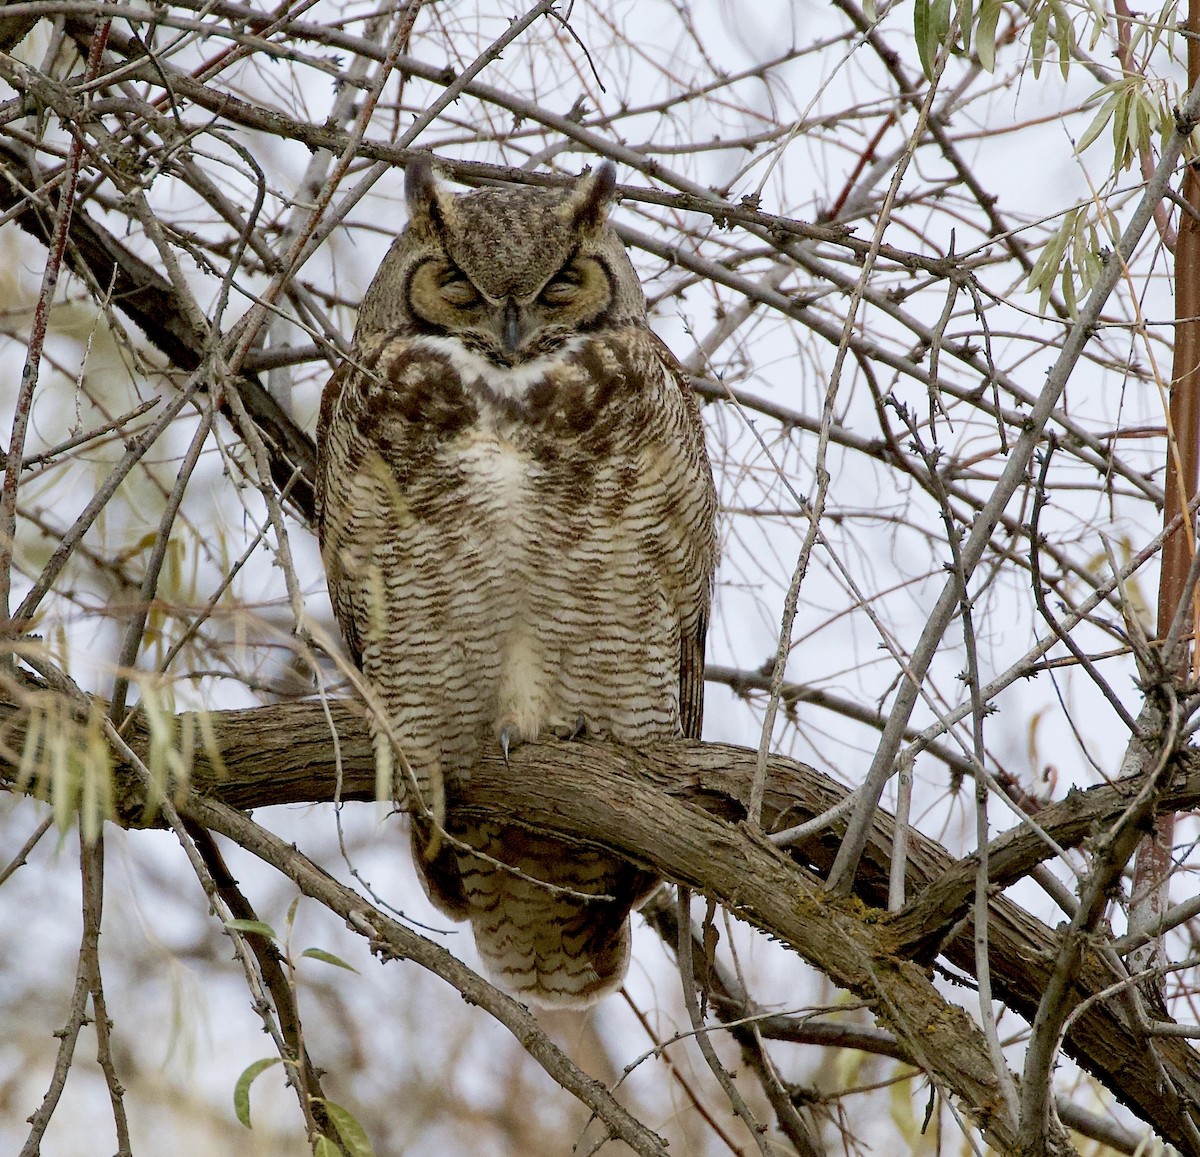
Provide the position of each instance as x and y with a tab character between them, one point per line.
677	808
147	298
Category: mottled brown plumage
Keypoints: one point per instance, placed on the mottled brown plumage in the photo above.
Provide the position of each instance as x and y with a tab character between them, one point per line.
516	516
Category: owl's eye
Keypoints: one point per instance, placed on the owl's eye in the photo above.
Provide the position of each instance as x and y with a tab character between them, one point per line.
563	288
441	295
457	290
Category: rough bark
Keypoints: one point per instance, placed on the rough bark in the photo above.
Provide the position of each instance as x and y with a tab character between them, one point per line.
678	808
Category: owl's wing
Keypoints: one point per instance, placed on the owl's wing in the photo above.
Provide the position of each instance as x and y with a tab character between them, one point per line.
345	526
691	677
697	495
331	396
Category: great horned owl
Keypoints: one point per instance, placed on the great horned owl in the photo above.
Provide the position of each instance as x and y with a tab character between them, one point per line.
516	514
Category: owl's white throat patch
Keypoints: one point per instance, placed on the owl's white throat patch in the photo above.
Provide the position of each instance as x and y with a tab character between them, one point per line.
512	383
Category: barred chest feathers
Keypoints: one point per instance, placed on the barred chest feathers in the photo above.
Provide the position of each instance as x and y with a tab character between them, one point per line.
516	515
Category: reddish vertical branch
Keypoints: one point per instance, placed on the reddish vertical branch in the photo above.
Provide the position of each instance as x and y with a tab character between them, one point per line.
1183	454
1182	459
1153	864
41	323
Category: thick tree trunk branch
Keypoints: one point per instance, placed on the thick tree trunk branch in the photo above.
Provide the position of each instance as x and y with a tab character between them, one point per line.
677	808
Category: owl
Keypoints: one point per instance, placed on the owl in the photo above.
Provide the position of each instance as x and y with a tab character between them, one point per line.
516	516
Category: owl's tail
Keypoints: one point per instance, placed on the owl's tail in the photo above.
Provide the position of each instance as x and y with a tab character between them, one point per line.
539	938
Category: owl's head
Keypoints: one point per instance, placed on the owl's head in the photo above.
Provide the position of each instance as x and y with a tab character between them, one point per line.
512	273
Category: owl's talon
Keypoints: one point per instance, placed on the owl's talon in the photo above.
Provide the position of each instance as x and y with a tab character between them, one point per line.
509	738
581	730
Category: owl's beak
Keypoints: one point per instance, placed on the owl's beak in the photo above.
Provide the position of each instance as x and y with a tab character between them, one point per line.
512	326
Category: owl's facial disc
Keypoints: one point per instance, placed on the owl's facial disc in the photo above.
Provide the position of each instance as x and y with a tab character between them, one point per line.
526	323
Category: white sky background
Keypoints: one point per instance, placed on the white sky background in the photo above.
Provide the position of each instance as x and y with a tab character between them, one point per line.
200	1034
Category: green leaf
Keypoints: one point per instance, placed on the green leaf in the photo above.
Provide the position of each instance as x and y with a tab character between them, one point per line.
985	33
931	22
1146	120
326	1148
1102	117
921	31
241	1091
251	926
353	1135
966	19
1037	43
1063	36
1045	268
1068	288
1099	23
328	958
940	16
1121	130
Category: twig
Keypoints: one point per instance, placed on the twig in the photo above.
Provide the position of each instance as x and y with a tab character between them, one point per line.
1112	854
68	1038
987	1013
660	1050
91	863
740	1019
132	642
393	940
136	450
262	479
1039	593
29	375
899	865
688	976
302	1074
882	765
817	507
86	436
19	859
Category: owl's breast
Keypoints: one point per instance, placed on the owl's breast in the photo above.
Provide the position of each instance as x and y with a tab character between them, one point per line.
495	474
541	534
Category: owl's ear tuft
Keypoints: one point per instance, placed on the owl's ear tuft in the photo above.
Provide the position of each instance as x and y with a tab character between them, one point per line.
587	207
424	194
